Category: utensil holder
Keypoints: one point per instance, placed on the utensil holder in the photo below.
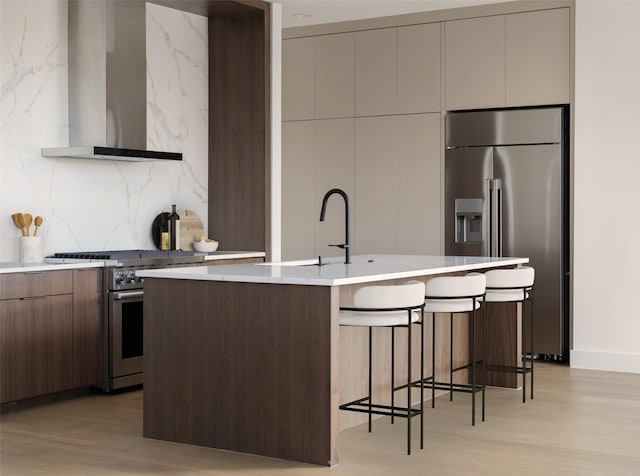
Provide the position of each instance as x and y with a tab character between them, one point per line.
31	249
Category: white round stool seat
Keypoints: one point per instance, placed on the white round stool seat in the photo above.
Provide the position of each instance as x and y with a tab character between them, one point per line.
377	319
371	301
505	295
454	294
509	285
450	305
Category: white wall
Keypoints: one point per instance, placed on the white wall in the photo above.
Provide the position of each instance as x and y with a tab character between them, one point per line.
607	186
90	204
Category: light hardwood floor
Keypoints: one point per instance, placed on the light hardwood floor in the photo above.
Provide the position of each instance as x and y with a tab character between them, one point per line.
580	423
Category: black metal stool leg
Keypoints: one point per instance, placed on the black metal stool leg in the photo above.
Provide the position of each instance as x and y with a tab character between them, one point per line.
484	355
473	365
532	353
421	378
409	385
370	372
451	357
433	360
523	353
393	373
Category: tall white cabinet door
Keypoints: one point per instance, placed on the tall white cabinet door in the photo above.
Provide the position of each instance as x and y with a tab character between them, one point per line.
299	211
418	188
375	68
376	178
335	76
298	79
475	63
418	70
538	57
334	169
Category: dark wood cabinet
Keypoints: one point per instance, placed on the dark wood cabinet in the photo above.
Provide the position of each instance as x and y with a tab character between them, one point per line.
50	332
51	343
16	357
35	334
87	327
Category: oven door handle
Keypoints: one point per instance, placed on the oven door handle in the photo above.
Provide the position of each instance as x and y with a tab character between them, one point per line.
128	294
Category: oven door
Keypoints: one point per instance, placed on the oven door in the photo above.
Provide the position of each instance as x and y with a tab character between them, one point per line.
125	332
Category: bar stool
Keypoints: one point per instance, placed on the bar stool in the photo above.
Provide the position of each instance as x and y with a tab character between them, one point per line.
514	286
456	295
393	306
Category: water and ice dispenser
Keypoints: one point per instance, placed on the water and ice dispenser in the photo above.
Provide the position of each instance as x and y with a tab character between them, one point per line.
469	213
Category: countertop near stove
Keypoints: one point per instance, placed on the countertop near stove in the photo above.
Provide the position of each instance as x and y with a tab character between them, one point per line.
18	267
67	263
222	255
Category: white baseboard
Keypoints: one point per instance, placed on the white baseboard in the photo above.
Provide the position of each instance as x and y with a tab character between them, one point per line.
596	360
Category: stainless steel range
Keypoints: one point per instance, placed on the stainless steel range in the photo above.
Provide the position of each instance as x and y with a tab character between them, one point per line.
123	298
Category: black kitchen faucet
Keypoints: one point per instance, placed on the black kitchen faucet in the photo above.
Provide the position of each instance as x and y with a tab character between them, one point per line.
346	245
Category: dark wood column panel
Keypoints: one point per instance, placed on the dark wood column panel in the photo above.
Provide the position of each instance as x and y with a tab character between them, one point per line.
239	129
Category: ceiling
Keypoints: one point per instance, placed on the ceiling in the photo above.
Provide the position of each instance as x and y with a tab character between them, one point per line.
312	12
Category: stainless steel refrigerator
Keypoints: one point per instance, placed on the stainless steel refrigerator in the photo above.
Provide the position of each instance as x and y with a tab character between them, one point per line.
506	194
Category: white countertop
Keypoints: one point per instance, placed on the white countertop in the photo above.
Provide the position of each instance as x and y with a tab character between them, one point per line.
18	267
222	255
57	264
364	268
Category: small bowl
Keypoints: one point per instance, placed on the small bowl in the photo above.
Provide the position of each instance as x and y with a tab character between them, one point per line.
205	246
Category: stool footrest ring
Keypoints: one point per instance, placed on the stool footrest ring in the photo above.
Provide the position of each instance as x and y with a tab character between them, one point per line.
509	368
362	406
456	387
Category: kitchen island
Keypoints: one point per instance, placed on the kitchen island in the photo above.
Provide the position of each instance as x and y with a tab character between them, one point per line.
247	357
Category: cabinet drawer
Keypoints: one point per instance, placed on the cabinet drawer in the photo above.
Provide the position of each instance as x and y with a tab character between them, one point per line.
45	283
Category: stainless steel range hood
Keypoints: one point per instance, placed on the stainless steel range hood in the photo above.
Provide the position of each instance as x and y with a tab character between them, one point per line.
108	83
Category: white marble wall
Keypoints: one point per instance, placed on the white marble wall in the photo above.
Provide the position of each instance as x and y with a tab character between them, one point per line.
90	204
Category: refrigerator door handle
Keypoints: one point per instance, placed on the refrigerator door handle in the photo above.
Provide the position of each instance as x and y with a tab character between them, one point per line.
496	215
487	231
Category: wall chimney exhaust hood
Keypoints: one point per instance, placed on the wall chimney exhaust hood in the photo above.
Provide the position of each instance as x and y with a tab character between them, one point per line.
108	83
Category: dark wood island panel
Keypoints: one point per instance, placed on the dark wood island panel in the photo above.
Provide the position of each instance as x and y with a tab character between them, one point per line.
242	366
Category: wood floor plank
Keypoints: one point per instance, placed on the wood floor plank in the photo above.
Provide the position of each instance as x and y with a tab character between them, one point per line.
581	422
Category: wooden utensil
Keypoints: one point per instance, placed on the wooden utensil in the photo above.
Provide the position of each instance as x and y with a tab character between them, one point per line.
38	222
21	223
16	222
28	219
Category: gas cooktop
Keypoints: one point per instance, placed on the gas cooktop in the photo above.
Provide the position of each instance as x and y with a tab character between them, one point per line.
124	254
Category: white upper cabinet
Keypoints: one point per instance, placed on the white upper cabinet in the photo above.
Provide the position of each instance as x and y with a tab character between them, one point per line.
334	80
419	170
418	68
475	63
538	57
300	210
397	184
375	179
520	59
375	68
298	79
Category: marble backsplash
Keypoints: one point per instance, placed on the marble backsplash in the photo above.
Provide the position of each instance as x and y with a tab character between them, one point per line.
91	204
